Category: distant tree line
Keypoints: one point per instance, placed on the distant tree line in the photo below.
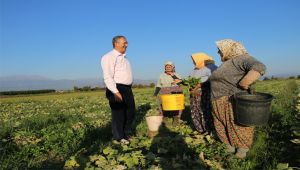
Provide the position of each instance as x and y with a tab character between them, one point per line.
27	92
75	88
276	78
143	85
89	88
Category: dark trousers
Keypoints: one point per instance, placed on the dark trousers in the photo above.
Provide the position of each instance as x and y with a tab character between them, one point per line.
122	112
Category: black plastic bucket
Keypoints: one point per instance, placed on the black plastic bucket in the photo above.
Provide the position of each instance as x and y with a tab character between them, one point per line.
252	109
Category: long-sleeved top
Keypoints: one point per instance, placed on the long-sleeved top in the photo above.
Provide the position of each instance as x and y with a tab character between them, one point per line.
116	69
166	80
225	80
203	73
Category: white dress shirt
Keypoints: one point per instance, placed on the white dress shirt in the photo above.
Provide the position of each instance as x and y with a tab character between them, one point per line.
116	69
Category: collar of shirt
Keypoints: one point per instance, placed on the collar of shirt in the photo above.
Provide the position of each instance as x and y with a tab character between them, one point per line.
117	53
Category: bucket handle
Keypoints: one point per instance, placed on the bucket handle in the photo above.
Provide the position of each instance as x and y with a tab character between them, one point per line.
251	90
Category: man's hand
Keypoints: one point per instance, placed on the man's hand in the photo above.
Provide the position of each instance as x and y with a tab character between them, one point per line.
118	97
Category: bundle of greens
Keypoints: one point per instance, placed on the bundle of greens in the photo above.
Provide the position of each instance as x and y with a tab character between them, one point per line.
191	82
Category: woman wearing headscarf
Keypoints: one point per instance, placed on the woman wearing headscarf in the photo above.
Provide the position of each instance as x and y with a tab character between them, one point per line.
168	83
237	72
200	94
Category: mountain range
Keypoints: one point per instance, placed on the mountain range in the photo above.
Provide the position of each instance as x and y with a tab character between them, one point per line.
36	82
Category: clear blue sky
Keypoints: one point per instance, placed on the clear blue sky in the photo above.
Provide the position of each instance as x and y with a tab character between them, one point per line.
65	39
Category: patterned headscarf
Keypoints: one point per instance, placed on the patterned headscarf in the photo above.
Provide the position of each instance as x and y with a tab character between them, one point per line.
199	59
230	48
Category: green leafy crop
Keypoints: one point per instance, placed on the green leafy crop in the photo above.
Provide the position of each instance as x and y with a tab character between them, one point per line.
191	81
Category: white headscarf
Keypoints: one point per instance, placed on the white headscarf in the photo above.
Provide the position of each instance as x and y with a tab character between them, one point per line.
171	64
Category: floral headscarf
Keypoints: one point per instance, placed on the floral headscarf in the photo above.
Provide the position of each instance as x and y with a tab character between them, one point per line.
199	59
230	48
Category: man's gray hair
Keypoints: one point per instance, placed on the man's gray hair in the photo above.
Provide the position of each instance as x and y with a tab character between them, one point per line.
116	38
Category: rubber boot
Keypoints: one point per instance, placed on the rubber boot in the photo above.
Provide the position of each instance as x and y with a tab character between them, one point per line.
241	153
230	149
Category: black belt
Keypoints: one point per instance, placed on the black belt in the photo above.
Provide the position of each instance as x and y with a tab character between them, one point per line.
124	85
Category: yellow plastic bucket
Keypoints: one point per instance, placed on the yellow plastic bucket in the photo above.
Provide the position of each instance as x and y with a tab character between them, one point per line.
172	101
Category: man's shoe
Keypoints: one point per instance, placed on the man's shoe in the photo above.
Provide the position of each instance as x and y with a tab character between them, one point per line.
121	141
124	141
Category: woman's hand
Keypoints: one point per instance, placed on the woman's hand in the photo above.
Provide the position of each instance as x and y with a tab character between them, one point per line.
249	78
194	91
176	81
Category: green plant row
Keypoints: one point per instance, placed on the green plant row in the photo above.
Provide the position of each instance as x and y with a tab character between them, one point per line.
74	131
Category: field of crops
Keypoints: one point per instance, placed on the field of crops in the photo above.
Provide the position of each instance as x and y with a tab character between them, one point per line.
73	130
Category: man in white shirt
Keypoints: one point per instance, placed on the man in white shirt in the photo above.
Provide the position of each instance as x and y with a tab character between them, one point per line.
118	79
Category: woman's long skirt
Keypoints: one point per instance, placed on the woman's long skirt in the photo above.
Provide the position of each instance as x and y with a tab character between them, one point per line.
201	111
228	131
